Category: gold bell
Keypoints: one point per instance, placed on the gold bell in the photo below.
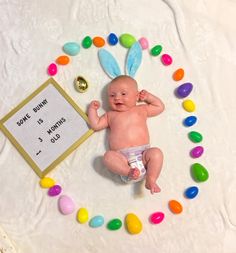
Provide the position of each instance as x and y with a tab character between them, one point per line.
81	85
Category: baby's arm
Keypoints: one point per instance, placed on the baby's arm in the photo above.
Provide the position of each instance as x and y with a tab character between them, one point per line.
154	105
96	122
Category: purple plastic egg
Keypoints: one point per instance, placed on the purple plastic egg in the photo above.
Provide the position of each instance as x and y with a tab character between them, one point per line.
54	190
166	59
184	90
52	69
197	151
157	217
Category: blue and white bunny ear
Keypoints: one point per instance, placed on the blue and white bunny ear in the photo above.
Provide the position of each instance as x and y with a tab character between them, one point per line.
109	63
134	59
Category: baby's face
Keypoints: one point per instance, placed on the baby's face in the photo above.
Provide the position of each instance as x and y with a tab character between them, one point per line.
123	94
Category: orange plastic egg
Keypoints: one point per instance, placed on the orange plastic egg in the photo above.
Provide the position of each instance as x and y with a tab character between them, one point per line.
63	60
175	206
178	74
98	41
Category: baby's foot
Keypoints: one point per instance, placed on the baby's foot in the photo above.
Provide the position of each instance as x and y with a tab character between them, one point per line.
152	186
133	174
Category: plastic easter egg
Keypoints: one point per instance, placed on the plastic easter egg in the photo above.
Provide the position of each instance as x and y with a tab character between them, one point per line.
184	90
71	48
191	192
197	152
96	221
178	74
80	84
195	137
46	182
112	39
114	224
133	223
189	105
52	69
66	205
143	43
156	217
82	215
63	60
175	207
199	172
156	50
127	40
98	41
166	59
54	190
87	42
190	121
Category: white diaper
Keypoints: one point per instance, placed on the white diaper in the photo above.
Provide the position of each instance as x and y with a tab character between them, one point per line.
134	157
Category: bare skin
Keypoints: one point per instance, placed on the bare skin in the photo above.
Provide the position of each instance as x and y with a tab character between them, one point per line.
128	128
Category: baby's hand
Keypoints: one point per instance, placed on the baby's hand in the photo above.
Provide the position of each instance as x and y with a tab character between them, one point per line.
143	94
94	104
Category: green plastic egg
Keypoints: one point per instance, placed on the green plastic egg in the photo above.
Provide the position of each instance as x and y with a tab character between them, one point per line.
114	224
156	50
127	40
195	136
199	173
87	42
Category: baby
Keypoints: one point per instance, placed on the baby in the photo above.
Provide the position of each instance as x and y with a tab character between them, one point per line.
130	154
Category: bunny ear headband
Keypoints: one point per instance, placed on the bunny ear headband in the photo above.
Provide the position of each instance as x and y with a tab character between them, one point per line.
111	66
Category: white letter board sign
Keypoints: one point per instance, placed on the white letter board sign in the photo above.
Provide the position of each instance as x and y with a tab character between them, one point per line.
46	127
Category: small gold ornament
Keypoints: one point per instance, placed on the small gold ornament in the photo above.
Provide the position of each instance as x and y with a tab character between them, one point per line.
81	85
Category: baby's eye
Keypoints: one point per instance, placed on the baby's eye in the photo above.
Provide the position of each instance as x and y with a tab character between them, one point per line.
123	93
112	95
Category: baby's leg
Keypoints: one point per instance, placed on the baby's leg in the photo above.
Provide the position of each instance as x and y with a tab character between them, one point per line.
153	159
118	164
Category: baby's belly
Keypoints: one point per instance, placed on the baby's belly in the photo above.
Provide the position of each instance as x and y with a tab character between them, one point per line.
124	139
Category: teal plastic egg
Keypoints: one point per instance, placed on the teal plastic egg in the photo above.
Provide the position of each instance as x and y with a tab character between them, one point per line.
127	40
96	221
71	48
199	172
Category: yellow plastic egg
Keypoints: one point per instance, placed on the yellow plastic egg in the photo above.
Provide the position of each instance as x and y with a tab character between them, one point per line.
133	223
82	215
189	105
47	182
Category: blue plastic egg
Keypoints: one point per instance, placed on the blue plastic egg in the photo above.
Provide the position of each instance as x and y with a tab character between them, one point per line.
96	221
71	48
184	90
190	121
112	39
191	192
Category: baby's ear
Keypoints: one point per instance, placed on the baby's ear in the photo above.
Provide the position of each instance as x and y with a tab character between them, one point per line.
109	63
134	59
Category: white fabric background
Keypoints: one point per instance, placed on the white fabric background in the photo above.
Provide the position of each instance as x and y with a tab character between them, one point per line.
201	38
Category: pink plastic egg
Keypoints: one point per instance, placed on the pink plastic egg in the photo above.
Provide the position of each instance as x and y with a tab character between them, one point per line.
144	43
52	69
166	59
197	151
54	190
66	205
157	217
